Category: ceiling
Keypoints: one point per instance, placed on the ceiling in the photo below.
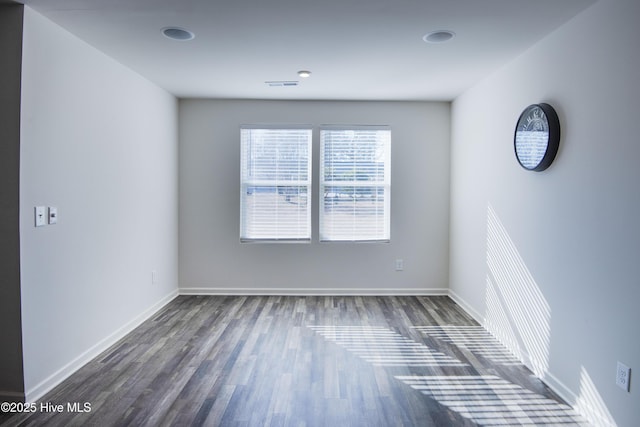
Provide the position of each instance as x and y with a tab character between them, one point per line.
355	49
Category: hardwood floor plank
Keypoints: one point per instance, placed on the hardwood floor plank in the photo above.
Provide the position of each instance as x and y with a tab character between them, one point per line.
305	361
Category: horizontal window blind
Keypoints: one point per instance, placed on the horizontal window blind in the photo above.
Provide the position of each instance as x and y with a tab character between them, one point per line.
355	184
275	184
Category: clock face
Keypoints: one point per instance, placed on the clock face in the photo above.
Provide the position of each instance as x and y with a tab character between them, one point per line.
537	136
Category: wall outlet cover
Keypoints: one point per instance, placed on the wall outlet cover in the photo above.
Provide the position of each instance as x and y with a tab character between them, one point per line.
623	376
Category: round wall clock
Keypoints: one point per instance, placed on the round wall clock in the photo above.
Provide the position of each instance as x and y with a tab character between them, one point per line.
537	137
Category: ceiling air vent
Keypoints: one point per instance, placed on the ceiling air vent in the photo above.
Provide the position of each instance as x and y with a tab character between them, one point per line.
282	83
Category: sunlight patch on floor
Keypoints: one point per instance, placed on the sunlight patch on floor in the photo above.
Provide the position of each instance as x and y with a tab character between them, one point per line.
381	346
492	401
475	339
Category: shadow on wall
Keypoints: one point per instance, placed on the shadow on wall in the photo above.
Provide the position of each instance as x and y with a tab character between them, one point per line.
519	316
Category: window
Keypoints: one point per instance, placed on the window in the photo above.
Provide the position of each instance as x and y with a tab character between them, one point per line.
275	184
355	183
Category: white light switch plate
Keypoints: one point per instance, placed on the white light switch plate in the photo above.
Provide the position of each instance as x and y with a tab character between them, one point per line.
53	215
41	216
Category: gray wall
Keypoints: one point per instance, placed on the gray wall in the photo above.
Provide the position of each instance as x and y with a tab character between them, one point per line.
100	143
212	260
549	261
11	382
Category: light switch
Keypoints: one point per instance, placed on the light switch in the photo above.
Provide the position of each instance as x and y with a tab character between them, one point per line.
41	216
53	215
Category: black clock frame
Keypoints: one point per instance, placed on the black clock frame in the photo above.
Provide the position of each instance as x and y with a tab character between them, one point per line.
554	136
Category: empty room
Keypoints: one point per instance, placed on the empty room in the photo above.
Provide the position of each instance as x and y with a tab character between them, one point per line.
338	213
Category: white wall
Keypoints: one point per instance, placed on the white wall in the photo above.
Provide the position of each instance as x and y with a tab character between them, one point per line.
550	261
212	260
100	144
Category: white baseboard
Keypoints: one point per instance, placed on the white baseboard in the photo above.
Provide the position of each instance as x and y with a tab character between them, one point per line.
466	307
560	389
35	393
315	291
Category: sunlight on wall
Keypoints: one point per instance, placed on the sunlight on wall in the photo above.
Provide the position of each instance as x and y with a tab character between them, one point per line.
497	321
590	404
519	316
517	312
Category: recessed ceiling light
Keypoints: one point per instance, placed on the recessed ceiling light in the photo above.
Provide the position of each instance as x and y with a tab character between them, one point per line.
439	36
176	33
304	73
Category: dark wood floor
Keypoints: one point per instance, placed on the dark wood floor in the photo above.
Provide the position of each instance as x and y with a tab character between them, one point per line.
305	361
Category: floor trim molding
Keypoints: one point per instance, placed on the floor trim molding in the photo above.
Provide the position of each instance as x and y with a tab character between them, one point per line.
466	307
63	373
315	291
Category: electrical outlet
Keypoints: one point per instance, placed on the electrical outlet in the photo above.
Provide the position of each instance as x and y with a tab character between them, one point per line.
399	264
623	376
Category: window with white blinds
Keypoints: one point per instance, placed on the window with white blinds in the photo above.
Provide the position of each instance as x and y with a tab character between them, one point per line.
275	184
355	183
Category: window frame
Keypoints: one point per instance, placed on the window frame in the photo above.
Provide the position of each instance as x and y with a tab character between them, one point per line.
276	183
384	185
